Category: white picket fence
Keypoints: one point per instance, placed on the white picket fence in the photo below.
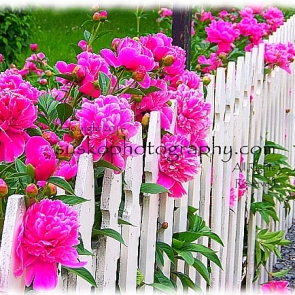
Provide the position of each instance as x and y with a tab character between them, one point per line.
237	123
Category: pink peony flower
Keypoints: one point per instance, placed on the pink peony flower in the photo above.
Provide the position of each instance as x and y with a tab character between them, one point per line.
274	17
212	63
3	188
189	78
41	156
165	12
1	58
107	124
17	113
84	46
205	16
34	64
12	81
34	47
47	237
232	197
223	34
156	101
192	111
242	185
178	163
133	56
276	287
67	169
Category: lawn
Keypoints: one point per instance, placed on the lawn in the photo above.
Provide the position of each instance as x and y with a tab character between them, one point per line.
57	29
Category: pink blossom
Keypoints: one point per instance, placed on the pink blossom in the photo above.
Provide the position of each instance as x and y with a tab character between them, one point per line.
189	78
277	287
34	47
223	34
165	12
178	163
242	185
47	237
13	82
1	58
250	27
212	63
223	14
17	113
34	64
50	136
193	28
133	56
93	65
67	169
41	156
192	111
84	45
107	124
274	17
65	69
246	12
3	188
205	15
156	101
232	197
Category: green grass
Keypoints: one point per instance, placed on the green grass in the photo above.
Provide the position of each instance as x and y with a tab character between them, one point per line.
58	29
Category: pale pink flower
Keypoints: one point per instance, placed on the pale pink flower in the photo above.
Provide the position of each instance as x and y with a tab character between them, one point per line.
47	237
276	287
223	34
41	156
107	124
178	163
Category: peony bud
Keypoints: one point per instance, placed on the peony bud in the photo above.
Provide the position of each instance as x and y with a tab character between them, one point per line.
48	73
51	190
145	120
51	137
103	15
43	81
222	55
206	80
139	74
96	17
122	133
1	58
75	131
165	225
64	150
288	111
136	97
32	190
79	73
34	47
95	7
168	60
3	188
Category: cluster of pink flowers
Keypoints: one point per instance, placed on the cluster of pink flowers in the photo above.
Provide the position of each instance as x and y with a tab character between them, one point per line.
279	54
276	287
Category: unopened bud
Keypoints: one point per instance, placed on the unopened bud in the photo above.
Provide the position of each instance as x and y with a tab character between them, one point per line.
288	111
64	150
96	17
103	15
168	60
79	73
48	73
34	47
169	102
145	120
139	74
206	80
96	84
31	190
136	97
165	225
75	131
51	190
122	133
50	136
3	188
43	81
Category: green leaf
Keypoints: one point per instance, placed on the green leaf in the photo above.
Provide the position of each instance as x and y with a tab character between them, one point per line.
104	82
274	145
121	221
280	273
176	244
139	278
271	158
60	182
87	36
152	188
257	253
187	282
70	199
76	48
214	237
83	273
133	91
163	288
110	233
66	77
202	270
103	163
80	248
186	255
167	249
186	236
159	257
64	111
149	90
34	131
160	278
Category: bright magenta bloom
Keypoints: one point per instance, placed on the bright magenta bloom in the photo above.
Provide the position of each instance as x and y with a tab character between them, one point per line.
277	287
17	113
232	197
67	169
274	17
163	12
47	236
133	56
189	78
192	111
223	34
12	81
178	163
33	64
41	156
107	124
212	63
